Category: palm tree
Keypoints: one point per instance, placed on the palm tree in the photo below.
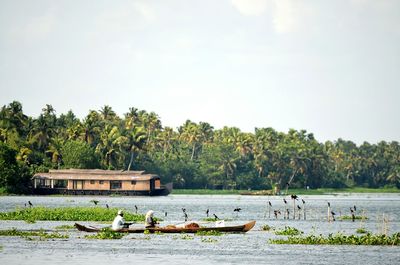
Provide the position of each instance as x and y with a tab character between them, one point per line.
54	150
107	113
111	146
92	128
137	139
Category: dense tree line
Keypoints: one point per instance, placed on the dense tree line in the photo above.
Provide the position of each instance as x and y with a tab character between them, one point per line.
193	156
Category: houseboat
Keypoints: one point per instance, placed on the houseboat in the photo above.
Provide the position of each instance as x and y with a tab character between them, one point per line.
99	182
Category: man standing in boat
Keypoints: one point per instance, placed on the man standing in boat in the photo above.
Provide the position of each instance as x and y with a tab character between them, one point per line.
149	221
119	222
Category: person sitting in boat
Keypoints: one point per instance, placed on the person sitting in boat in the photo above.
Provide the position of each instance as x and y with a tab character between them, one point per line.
149	221
119	221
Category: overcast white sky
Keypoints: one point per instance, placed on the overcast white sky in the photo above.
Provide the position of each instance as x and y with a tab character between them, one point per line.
330	67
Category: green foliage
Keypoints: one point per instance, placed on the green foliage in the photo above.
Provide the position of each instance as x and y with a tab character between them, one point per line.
208	233
340	239
68	214
208	240
196	156
106	233
78	154
361	231
289	231
187	237
41	235
65	227
267	228
349	217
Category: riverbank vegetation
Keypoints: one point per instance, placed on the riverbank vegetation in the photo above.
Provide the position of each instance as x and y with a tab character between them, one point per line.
68	214
194	156
340	239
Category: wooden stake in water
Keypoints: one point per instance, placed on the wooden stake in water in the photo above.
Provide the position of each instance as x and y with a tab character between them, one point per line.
304	208
269	209
329	212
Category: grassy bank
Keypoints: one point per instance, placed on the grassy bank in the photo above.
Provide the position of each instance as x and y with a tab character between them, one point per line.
322	191
68	214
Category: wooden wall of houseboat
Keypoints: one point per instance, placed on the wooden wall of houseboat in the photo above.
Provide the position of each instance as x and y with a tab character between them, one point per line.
139	185
126	185
157	183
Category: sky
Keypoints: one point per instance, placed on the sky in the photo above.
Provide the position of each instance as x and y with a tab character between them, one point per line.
329	67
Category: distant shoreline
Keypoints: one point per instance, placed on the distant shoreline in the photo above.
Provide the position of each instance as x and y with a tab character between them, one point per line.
321	191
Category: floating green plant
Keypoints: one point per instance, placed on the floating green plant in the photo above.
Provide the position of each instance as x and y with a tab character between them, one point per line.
68	214
289	231
267	228
340	239
41	234
106	233
208	233
361	231
187	237
357	217
208	240
65	227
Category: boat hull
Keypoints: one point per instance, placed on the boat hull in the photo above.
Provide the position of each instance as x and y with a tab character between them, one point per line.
226	229
49	191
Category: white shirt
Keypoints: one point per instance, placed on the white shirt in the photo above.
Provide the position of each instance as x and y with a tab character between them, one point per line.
118	223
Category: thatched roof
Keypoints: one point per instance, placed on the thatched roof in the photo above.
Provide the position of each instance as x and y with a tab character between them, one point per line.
95	174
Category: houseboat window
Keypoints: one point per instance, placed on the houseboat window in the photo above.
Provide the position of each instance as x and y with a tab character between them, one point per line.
116	185
60	183
133	182
47	183
92	182
101	182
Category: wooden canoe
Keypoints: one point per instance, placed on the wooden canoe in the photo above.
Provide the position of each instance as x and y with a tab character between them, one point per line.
226	229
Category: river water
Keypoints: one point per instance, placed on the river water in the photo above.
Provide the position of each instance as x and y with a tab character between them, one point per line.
248	248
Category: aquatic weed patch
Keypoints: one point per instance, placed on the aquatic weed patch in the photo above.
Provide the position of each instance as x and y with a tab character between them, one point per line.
208	233
106	233
65	227
267	228
357	217
68	214
340	239
31	235
361	231
288	231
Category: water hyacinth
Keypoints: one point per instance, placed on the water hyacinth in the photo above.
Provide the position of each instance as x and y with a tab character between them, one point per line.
288	231
27	234
106	233
68	214
340	239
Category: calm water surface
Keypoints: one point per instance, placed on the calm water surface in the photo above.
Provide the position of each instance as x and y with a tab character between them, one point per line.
252	247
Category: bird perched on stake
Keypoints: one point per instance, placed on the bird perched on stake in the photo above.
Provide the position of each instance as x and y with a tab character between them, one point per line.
276	212
270	204
333	215
207	212
136	209
294	197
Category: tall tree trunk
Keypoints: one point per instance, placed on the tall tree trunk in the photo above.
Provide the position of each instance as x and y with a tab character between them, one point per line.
130	161
193	149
